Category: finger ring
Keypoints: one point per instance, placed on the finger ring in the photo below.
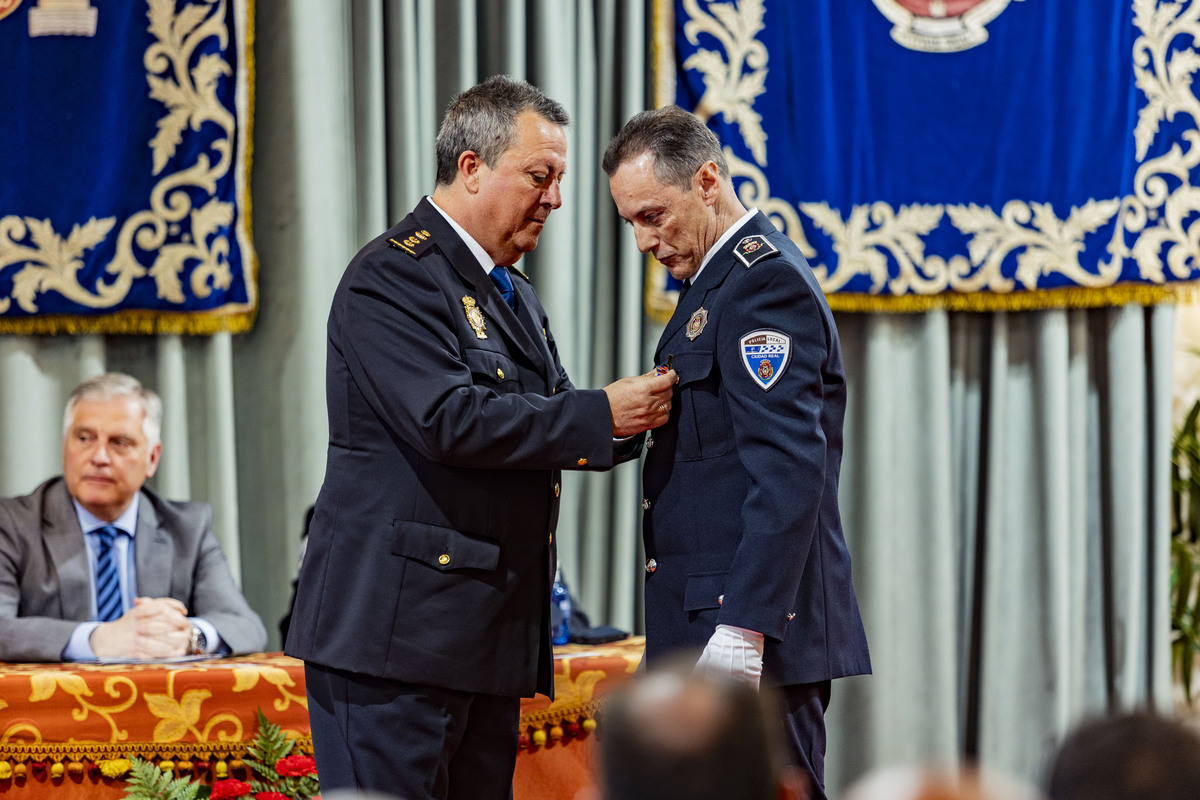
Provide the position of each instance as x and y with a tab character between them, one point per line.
662	406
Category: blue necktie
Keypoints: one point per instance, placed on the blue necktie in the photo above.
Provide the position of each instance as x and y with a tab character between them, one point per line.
108	582
503	281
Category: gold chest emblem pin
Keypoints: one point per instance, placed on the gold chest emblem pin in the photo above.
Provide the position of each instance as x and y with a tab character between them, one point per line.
474	316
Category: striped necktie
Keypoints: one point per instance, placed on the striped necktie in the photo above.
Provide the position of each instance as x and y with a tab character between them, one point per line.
503	281
108	581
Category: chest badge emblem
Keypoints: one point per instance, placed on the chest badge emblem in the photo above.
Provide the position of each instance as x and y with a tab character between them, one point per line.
696	324
474	316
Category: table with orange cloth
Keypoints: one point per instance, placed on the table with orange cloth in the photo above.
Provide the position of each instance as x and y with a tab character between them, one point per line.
67	730
556	745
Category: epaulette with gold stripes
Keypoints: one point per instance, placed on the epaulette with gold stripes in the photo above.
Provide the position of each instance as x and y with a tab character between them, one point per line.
414	242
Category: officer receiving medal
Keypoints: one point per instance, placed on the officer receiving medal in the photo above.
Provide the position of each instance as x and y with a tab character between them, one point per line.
746	564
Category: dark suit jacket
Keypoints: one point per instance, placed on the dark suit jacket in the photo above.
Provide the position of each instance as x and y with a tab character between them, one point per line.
430	553
741	482
45	589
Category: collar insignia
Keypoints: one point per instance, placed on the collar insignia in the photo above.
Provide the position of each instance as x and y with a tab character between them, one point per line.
753	249
414	243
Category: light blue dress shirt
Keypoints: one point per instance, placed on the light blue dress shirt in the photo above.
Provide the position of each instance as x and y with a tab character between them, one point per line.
79	647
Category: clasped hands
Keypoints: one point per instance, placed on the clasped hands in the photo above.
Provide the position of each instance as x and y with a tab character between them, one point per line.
640	402
156	627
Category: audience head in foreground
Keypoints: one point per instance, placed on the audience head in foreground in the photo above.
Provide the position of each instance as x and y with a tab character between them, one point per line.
1133	756
939	783
95	565
676	735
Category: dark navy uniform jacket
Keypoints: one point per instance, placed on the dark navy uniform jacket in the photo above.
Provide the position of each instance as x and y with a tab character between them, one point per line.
431	551
741	484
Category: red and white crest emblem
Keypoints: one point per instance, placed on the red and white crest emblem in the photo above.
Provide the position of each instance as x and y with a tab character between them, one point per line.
941	26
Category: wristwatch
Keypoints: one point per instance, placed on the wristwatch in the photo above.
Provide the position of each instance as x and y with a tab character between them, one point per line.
197	642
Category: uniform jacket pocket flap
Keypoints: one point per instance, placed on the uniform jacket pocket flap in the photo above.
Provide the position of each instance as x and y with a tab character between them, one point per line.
693	366
444	548
703	591
495	366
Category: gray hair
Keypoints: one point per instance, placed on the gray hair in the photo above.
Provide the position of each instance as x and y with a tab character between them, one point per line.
117	384
679	142
483	119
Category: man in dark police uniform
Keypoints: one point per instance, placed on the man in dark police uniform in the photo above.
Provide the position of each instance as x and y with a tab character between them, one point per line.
744	550
422	609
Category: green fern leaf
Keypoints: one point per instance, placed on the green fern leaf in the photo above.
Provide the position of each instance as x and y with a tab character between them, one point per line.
148	782
270	744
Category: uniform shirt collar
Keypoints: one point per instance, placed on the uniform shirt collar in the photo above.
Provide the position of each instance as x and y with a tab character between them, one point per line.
476	249
126	522
725	237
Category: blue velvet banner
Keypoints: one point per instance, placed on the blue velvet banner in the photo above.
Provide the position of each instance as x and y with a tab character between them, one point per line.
124	156
967	154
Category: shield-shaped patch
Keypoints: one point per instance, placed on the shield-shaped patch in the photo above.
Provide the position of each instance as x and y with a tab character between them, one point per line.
765	355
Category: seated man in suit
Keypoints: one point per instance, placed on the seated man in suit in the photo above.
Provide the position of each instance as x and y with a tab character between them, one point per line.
94	565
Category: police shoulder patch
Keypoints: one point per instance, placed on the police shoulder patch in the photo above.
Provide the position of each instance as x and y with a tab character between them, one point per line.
765	355
414	242
753	249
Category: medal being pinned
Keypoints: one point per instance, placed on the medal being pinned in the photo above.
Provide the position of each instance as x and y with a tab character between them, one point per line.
474	316
765	356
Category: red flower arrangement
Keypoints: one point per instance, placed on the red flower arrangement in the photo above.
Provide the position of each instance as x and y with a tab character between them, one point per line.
229	789
277	773
296	766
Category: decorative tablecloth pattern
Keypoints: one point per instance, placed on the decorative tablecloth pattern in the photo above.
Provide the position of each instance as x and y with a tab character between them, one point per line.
72	726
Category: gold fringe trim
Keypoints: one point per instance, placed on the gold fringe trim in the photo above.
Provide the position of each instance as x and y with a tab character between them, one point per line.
1120	295
249	259
134	323
557	716
659	304
16	752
